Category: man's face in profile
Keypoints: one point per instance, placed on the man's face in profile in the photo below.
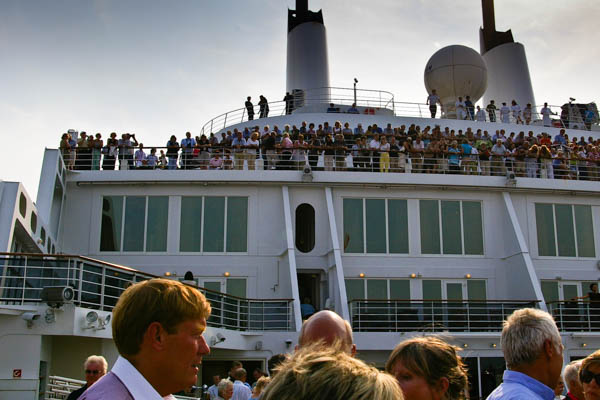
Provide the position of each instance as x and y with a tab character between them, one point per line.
184	350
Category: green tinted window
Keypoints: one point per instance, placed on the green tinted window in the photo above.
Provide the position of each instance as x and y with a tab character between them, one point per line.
214	230
353	226
376	241
158	222
565	230
355	289
451	233
237	224
398	226
472	227
569	291
236	287
135	223
377	289
476	289
544	219
432	289
190	228
585	231
112	220
399	289
430	226
550	291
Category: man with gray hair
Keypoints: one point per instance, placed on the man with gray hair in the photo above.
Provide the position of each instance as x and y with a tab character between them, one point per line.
571	378
533	352
95	368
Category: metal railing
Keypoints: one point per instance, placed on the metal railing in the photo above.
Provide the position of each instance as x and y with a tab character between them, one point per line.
98	285
432	315
576	315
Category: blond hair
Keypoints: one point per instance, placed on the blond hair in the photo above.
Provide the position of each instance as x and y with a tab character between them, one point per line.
262	382
156	300
432	359
329	373
592	359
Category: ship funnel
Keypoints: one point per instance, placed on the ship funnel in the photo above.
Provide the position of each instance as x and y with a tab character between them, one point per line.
307	56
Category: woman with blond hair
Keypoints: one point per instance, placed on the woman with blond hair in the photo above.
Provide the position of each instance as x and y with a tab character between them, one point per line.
318	372
261	384
428	368
589	376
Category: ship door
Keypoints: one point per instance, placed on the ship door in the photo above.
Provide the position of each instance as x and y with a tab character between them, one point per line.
455	294
310	293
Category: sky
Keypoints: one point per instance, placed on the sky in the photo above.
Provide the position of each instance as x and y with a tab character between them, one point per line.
157	68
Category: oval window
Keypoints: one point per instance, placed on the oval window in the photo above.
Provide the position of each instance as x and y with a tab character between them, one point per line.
23	205
33	222
305	228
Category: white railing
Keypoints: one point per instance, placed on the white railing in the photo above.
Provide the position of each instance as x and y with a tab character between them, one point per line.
98	285
432	315
573	315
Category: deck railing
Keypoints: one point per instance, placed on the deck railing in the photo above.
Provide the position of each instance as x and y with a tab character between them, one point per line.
581	316
98	285
432	315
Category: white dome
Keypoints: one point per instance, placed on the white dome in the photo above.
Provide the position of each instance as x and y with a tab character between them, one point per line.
456	71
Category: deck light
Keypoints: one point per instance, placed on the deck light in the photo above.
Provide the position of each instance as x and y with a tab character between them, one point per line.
168	273
226	274
465	345
493	345
413	275
362	275
583	344
468	276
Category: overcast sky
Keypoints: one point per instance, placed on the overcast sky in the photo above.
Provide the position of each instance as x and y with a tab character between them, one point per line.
158	68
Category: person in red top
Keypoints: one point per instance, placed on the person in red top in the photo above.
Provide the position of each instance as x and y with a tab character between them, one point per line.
571	378
545	140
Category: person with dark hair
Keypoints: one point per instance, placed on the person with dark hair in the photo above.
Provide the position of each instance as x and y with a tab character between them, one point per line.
428	368
264	107
249	108
274	362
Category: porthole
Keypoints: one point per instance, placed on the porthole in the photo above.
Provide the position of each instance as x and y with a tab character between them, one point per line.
23	205
33	222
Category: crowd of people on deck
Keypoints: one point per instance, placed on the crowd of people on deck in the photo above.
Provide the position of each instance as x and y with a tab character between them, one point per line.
162	348
339	147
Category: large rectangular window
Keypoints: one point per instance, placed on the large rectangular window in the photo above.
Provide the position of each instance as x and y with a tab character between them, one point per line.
375	226
377	289
451	227
142	220
564	230
214	224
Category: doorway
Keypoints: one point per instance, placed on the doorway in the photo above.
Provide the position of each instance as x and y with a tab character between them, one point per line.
309	285
222	367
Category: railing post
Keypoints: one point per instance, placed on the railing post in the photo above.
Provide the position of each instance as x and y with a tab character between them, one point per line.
225	120
24	280
102	289
80	283
211	125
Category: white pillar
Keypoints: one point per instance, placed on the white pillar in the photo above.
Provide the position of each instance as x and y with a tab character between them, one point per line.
291	251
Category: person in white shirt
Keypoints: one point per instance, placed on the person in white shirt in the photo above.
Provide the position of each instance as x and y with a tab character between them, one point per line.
213	391
140	156
504	113
433	100
516	112
152	160
161	349
546	112
480	115
461	110
240	390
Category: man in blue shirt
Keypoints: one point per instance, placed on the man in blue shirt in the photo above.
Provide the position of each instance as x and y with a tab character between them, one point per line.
187	150
533	352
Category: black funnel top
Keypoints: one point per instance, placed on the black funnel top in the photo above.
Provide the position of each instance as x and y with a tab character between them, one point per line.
489	36
302	14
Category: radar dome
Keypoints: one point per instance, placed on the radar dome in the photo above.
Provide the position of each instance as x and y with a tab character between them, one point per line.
455	71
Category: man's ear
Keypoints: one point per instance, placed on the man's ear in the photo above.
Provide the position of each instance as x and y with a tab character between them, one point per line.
549	348
353	351
155	336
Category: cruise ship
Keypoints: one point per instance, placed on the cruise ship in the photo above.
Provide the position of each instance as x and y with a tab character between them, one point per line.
397	254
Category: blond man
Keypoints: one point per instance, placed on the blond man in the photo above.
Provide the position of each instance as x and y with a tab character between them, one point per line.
157	328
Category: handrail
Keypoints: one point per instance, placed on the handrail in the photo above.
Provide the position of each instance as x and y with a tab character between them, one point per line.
446	300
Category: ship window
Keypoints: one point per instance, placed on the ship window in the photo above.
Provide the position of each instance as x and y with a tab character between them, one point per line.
43	235
144	223
377	289
451	227
135	223
476	289
158	219
214	224
384	228
305	228
237	224
23	205
399	289
112	215
355	289
550	291
214	230
375	221
353	226
236	287
49	246
398	226
190	230
564	230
